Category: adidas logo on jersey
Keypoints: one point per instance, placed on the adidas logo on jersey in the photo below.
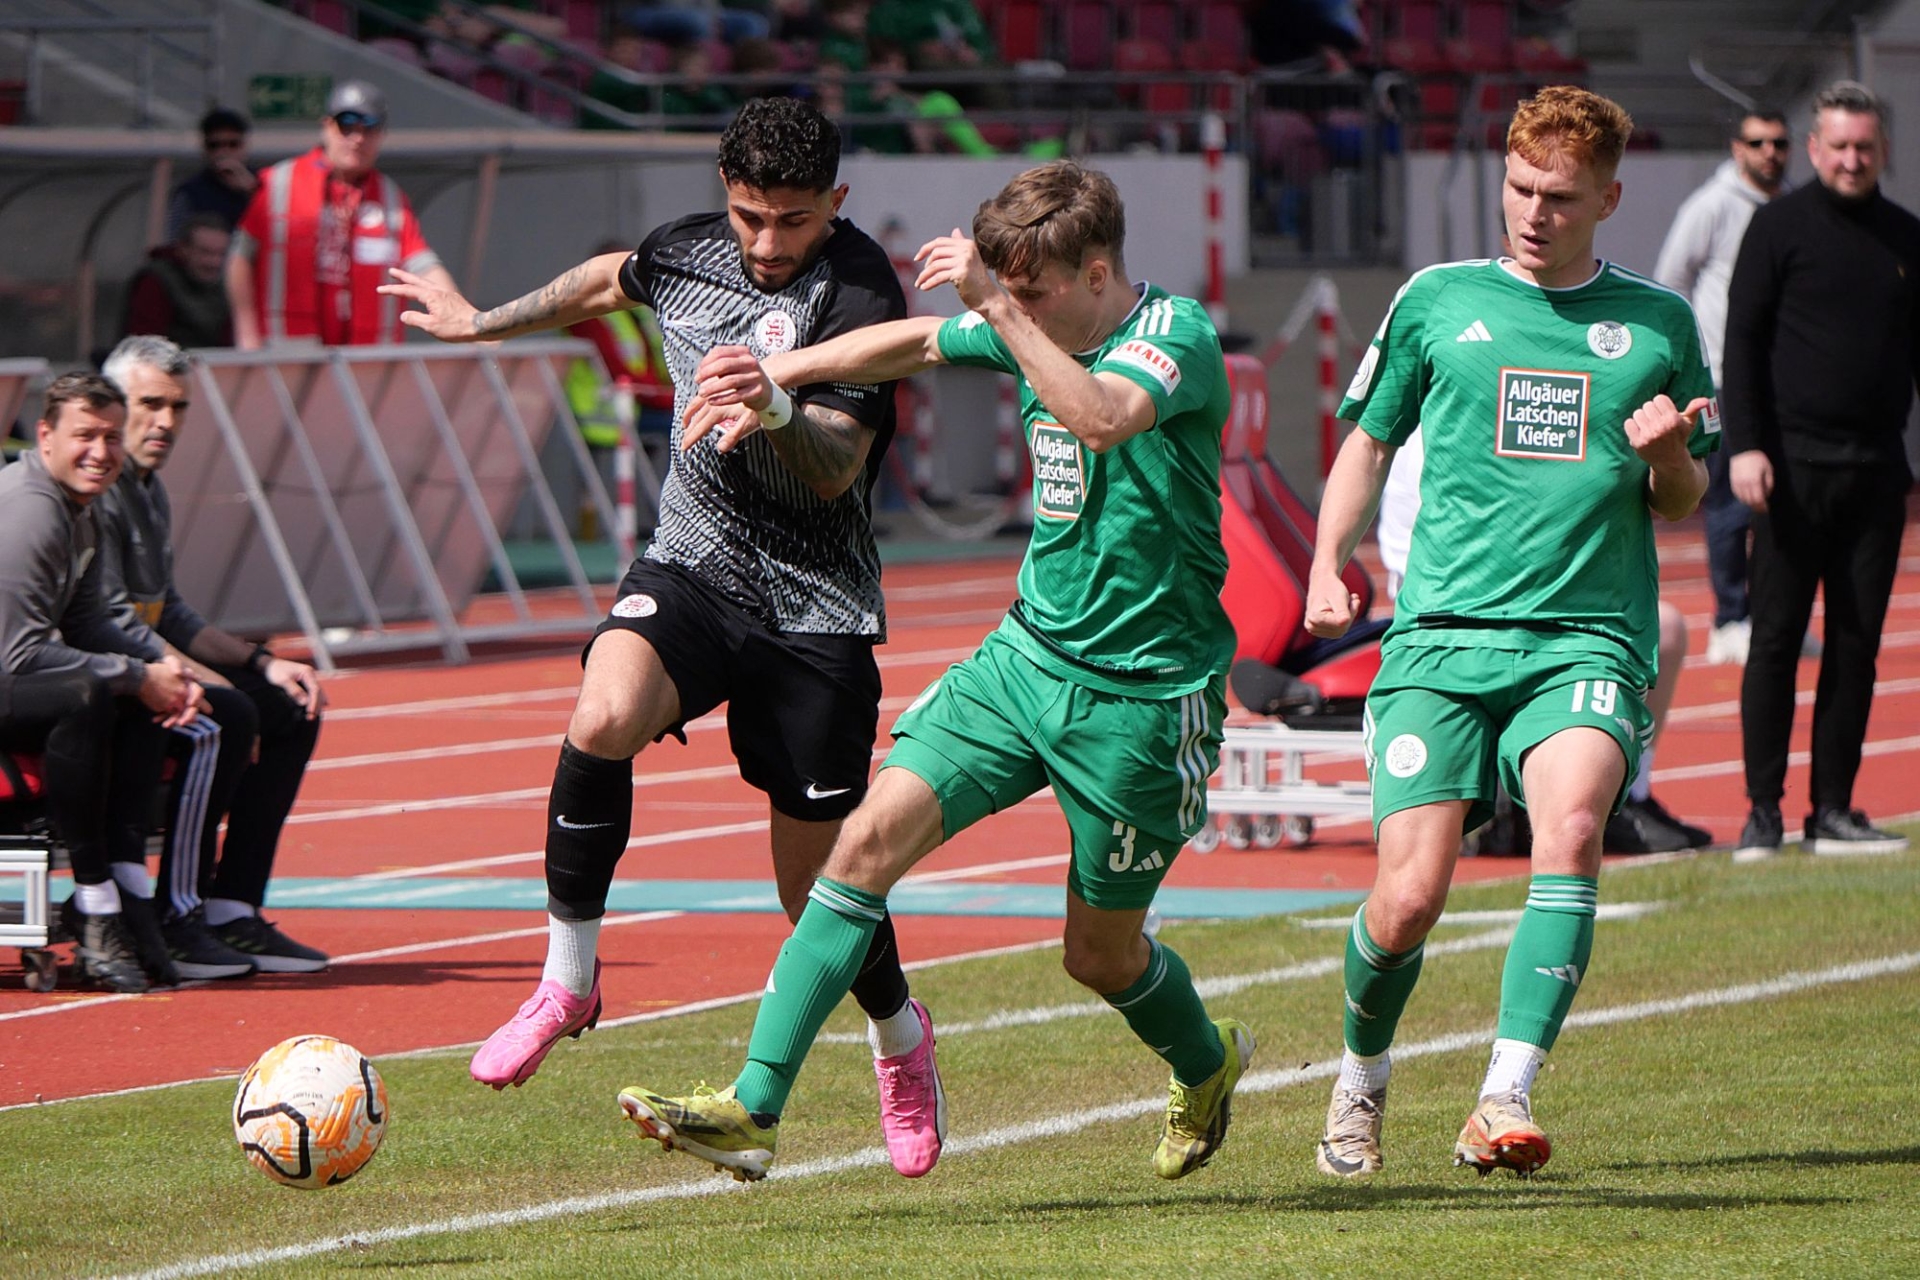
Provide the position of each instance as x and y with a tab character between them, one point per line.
1475	332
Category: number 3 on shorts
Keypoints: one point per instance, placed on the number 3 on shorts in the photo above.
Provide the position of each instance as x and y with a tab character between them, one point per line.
1122	858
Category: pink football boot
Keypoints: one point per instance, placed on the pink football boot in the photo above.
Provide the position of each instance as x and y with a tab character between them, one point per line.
513	1053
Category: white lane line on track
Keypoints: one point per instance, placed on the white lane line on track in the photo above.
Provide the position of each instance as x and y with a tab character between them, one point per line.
643	917
1011	1135
886	658
1729	708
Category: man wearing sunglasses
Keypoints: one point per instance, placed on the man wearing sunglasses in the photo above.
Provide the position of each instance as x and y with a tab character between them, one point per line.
227	182
1697	260
321	233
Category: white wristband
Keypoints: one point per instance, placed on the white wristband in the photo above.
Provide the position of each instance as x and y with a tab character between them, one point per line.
779	410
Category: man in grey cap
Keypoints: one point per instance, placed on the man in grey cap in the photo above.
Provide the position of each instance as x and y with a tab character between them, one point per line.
322	230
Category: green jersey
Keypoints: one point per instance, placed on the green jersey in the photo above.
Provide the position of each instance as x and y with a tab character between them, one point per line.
1534	529
1120	588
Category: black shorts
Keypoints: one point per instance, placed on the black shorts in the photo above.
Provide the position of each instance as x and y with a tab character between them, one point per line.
802	710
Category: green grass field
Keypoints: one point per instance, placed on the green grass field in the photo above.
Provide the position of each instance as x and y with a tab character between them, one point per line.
1735	1130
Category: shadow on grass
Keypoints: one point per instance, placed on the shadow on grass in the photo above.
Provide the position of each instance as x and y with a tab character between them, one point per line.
1756	1159
1369	1198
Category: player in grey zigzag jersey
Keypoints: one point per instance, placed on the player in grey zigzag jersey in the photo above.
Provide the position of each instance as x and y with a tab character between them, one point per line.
761	587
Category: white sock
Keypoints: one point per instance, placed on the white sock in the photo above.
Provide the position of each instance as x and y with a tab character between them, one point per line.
226	910
571	945
1365	1074
1642	788
1512	1068
132	878
891	1037
101	899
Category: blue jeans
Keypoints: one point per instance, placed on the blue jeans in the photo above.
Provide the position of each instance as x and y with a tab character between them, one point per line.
1727	520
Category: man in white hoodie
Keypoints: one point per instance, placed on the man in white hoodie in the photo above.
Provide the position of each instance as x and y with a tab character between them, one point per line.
1697	260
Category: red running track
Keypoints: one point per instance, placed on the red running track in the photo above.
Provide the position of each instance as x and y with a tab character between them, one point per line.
426	767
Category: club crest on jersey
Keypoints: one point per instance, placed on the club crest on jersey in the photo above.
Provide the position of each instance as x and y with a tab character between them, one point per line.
773	333
1543	414
636	607
1609	339
1059	472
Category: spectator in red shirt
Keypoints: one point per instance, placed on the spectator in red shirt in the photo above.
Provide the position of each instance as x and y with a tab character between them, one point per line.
316	243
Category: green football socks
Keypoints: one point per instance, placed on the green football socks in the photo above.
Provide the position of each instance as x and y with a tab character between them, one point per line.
811	976
1378	984
1548	958
1166	1013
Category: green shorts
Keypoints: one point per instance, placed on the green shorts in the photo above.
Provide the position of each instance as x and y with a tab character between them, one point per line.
1445	723
1129	773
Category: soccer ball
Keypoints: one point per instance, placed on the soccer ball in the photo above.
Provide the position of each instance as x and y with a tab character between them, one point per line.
310	1112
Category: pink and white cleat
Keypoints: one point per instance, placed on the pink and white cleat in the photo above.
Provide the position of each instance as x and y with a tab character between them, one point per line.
913	1106
513	1053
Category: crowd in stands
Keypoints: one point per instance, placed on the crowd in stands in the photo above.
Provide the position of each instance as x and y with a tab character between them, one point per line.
693	61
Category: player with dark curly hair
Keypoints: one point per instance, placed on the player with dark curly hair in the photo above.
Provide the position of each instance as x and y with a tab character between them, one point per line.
760	589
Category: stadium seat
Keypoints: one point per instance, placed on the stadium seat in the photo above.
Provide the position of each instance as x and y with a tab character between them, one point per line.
1022	31
584	18
1154	20
1087	35
1484	44
1220	23
1269	532
1414	40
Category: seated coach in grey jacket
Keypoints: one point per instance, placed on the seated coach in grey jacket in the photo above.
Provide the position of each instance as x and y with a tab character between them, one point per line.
267	708
94	701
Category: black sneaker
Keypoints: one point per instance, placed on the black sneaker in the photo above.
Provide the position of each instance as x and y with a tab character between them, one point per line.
104	949
1697	837
143	926
1761	837
1644	826
197	953
270	950
1844	833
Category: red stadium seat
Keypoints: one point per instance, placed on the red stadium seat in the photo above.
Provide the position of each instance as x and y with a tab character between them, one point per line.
1268	535
1154	20
1087	35
20	778
1022	31
1221	23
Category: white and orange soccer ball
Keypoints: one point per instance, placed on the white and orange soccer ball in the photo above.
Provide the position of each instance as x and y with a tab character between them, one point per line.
310	1112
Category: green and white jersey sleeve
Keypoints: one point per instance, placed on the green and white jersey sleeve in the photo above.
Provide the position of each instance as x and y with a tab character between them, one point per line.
1120	588
969	340
1534	528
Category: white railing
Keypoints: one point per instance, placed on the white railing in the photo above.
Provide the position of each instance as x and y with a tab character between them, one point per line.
360	496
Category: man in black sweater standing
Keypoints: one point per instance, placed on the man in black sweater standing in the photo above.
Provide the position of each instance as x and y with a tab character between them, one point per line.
1822	349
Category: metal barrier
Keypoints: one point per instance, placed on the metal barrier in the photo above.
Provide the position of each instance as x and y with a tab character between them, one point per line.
125	47
341	491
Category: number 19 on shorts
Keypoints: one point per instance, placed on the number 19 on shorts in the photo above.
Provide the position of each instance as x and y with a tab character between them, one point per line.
1598	696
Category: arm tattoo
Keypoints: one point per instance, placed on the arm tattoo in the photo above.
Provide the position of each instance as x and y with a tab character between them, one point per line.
821	445
538	309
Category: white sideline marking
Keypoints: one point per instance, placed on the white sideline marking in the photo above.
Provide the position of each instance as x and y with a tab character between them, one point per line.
1010	1135
1207	987
1606	911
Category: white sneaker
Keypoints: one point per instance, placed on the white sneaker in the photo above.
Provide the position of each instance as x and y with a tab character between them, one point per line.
1729	643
